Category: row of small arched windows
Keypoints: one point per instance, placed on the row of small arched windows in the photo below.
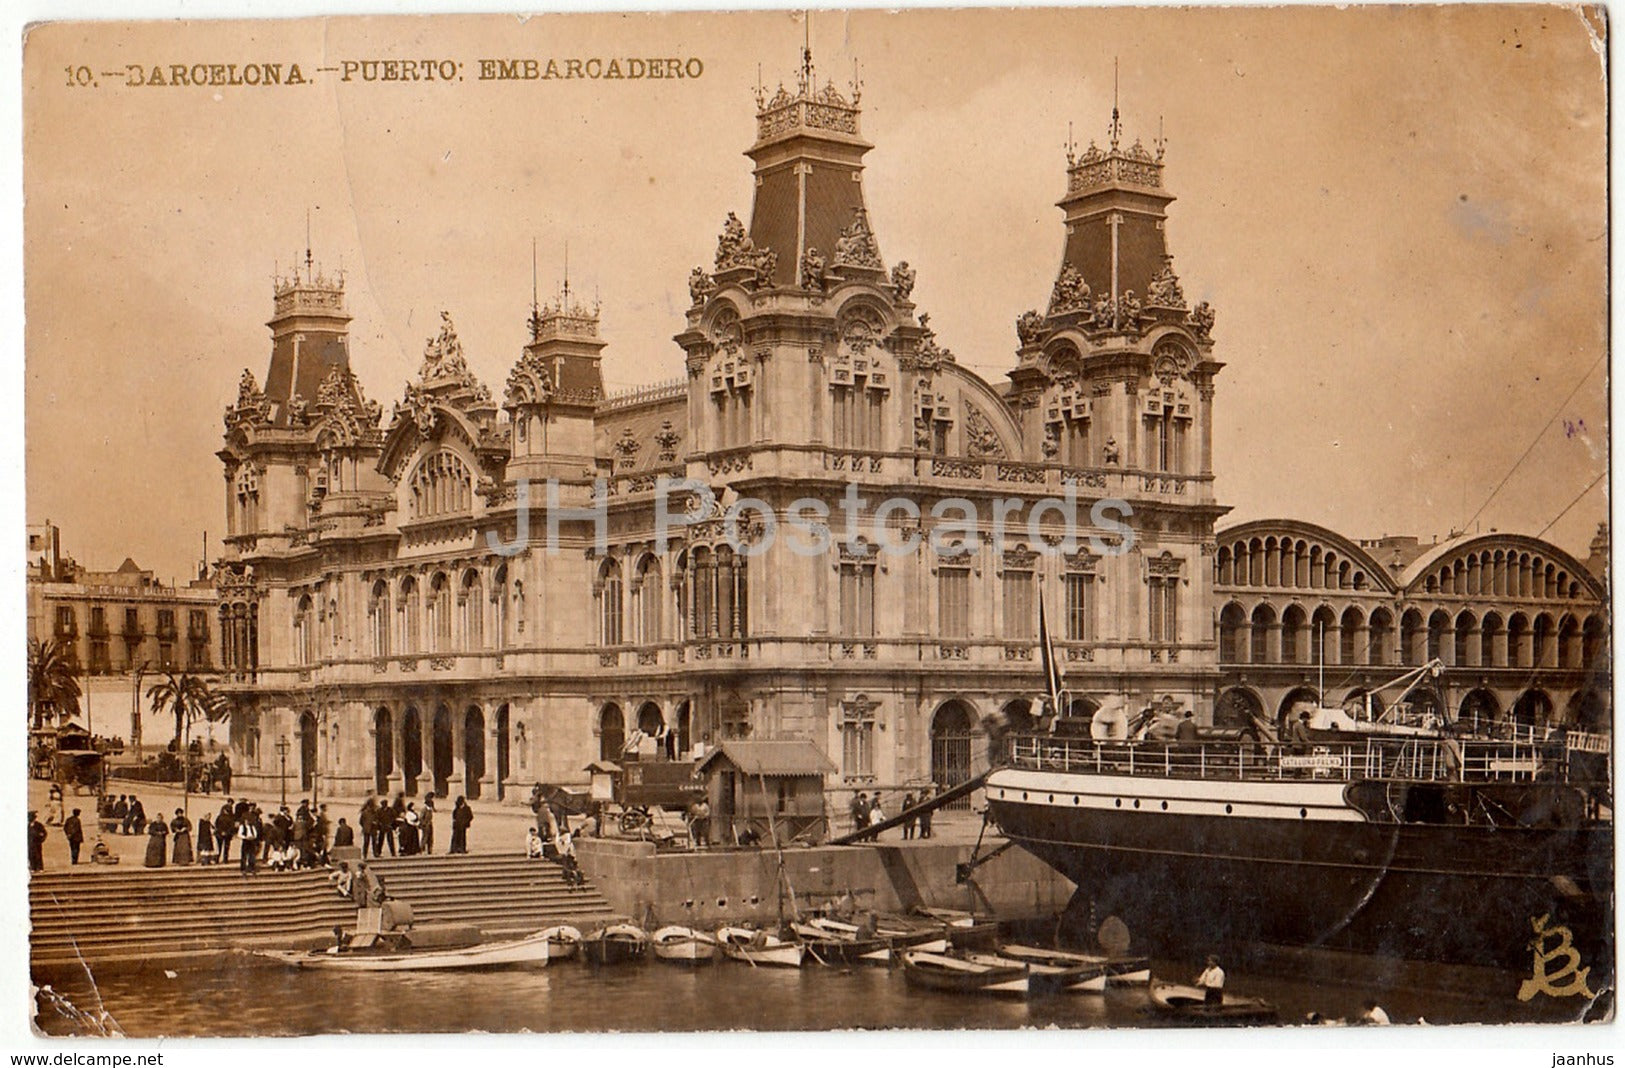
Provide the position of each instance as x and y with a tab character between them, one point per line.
1295	636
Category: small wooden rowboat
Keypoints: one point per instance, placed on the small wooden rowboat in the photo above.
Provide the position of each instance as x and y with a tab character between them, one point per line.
830	947
684	945
892	937
617	943
937	971
1050	978
398	955
1189	1003
1120	971
760	948
563	942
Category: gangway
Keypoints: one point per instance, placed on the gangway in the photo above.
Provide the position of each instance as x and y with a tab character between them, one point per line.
944	798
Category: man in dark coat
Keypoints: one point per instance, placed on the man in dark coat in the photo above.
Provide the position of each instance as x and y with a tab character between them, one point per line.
36	843
367	820
225	829
121	814
426	822
461	817
74	832
138	815
343	835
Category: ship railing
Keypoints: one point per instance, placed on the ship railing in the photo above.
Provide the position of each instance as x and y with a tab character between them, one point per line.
1414	759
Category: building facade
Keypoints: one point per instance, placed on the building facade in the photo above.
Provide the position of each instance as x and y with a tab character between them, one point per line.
478	593
1305	614
117	626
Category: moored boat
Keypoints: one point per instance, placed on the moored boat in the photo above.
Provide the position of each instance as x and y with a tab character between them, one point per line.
956	975
1050	978
684	945
1119	970
400	954
563	942
1331	842
757	947
616	943
834	947
1189	1003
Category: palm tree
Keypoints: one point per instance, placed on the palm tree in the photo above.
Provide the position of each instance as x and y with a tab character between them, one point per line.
188	698
53	681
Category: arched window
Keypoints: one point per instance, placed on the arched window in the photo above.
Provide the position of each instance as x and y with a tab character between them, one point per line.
470	599
1412	637
1295	644
607	596
408	608
646	595
1354	639
441	485
715	592
1382	636
1263	624
1233	635
304	632
440	612
499	607
378	618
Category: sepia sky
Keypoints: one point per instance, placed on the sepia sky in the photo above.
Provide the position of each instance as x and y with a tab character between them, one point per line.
1399	216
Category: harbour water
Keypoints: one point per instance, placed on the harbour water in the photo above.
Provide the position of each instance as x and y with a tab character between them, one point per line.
236	995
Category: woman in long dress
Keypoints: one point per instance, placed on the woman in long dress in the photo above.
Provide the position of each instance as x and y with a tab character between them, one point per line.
181	828
206	853
409	830
157	843
461	817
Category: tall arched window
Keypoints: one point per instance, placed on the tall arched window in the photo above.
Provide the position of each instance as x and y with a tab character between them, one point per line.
441	485
473	608
378	618
607	594
646	595
408	607
440	612
304	632
499	606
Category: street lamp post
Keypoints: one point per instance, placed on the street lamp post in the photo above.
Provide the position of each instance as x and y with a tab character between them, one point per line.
282	752
135	709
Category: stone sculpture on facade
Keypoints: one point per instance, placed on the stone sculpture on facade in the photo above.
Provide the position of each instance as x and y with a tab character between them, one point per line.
856	245
734	246
1202	319
443	354
1030	327
1164	291
980	437
1071	292
528	382
902	279
812	270
667	439
1109	451
1105	313
700	285
1128	312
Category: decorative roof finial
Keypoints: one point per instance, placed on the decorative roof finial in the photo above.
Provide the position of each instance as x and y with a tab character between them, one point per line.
1117	125
806	54
308	258
857	84
761	91
1071	147
567	274
1162	142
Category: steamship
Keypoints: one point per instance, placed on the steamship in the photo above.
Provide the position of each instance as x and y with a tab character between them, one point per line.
1364	833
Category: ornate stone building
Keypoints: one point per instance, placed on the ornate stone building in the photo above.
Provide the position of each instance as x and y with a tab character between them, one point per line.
471	595
390	604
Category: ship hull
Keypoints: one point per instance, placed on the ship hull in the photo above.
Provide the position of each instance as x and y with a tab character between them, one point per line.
1291	864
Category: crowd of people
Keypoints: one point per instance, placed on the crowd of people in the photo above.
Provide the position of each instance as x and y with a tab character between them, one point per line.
406	829
869	812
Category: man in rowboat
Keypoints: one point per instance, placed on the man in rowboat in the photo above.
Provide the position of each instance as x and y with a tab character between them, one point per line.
1212	983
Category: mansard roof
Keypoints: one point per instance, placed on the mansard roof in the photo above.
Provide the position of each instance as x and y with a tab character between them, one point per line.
645	429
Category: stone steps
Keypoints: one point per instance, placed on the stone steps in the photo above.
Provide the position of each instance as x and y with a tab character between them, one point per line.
140	914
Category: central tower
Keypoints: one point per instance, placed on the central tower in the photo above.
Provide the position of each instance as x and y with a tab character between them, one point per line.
809	167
